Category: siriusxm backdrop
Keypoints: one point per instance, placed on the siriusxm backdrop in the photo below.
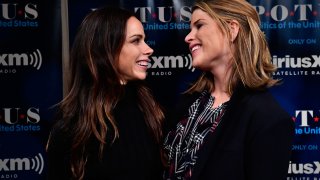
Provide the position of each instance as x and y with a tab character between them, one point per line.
30	78
31	73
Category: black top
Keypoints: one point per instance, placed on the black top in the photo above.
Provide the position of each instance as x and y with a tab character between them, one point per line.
134	155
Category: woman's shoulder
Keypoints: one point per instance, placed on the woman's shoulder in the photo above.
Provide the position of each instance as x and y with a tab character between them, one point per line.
253	97
263	99
261	103
266	108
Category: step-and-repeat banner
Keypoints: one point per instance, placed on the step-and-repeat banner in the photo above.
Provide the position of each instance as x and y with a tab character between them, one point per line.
31	79
30	83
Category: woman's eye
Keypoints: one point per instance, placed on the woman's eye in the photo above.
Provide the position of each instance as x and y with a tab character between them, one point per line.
136	41
198	26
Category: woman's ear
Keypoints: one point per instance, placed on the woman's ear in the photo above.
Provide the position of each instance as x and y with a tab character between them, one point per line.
234	29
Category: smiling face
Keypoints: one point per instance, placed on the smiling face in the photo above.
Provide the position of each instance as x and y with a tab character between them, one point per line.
134	55
208	45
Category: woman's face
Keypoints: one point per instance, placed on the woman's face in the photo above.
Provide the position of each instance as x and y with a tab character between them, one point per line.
134	55
208	45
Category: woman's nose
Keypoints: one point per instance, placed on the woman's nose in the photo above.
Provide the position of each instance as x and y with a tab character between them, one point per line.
148	50
189	37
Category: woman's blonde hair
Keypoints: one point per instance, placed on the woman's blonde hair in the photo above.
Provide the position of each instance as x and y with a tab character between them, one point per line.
251	59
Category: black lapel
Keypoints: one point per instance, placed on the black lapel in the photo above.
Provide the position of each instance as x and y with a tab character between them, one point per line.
208	148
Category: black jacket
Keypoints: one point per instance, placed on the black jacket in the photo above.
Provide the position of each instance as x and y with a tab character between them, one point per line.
252	142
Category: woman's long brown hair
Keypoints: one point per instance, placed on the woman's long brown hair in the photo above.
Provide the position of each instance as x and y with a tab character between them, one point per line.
95	89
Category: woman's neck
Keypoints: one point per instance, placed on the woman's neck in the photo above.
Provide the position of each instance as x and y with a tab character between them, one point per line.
220	91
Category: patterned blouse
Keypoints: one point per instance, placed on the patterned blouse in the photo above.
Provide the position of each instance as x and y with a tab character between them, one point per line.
182	144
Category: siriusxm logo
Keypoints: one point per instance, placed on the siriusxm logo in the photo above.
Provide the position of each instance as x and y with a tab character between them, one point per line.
33	59
304	168
174	62
22	164
296	62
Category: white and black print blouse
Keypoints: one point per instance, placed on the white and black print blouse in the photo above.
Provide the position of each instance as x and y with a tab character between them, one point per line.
183	143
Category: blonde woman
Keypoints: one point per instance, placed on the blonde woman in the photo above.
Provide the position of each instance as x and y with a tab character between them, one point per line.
228	126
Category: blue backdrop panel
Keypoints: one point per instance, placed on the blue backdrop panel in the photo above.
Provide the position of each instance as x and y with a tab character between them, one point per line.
31	82
292	31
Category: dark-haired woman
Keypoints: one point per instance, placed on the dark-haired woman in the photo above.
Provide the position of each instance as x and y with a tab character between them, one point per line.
109	125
